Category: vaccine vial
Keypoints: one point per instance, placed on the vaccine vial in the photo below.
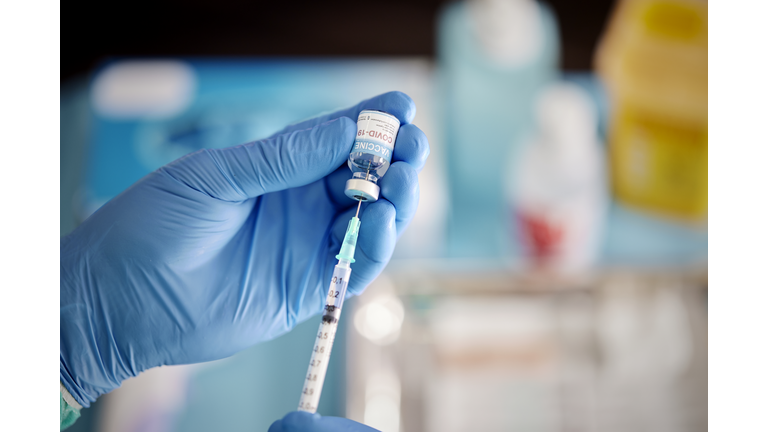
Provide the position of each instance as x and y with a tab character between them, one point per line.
371	154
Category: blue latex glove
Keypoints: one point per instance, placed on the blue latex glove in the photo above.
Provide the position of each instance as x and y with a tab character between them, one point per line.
225	248
299	421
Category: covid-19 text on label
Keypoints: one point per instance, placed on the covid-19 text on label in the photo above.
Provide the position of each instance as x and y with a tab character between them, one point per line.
375	135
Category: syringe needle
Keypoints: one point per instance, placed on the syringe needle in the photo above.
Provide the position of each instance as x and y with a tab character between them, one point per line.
360	202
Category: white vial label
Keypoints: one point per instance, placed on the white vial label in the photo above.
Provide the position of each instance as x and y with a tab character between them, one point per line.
376	134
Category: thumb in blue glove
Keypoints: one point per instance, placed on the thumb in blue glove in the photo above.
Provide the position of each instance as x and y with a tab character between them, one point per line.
299	421
225	248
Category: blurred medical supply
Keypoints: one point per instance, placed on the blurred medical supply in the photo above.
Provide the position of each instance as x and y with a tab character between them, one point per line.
493	57
507	386
556	187
152	403
625	351
653	58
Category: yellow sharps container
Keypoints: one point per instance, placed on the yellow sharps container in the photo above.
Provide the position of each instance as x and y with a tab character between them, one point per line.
653	60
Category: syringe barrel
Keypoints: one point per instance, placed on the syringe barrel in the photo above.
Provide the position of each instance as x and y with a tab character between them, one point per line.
321	352
337	291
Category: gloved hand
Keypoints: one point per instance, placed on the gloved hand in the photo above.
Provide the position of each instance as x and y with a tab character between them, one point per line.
299	421
225	248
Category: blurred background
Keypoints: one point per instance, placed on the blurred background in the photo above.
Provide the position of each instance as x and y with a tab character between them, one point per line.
555	276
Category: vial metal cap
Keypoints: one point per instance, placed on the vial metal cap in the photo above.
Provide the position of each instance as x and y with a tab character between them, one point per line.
361	190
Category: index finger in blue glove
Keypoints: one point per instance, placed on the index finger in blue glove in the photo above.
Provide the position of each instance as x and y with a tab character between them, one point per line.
299	421
396	103
411	146
285	161
401	188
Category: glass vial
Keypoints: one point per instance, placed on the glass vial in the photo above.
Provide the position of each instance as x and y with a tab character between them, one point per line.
371	154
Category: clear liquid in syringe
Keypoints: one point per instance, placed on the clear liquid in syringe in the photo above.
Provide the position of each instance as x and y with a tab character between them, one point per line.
321	353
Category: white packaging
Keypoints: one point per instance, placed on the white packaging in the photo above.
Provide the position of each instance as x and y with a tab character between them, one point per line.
559	198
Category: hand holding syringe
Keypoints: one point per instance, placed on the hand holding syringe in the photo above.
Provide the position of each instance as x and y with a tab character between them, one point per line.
225	248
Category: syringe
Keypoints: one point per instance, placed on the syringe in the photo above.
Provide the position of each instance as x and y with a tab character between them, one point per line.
321	353
369	159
